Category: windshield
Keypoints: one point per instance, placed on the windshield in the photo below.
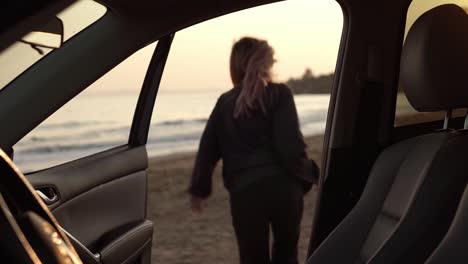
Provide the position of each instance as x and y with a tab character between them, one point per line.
22	54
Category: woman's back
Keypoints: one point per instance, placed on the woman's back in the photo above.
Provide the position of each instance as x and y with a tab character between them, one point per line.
245	135
254	129
263	144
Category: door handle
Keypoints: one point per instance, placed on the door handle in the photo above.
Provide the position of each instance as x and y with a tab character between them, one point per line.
48	195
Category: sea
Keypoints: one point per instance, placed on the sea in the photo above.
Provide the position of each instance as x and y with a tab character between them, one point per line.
99	122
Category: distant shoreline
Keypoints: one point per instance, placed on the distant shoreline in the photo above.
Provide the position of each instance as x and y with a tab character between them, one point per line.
308	83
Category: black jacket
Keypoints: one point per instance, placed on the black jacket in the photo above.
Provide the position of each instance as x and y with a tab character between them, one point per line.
262	145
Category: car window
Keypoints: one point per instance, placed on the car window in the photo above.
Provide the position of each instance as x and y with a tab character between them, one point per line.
305	36
405	113
20	56
97	119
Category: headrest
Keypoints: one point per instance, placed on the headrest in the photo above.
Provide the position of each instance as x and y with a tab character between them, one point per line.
434	62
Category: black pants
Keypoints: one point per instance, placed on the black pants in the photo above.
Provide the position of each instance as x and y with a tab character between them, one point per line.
276	202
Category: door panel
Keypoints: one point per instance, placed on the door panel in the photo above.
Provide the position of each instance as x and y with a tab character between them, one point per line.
104	209
73	178
129	245
102	202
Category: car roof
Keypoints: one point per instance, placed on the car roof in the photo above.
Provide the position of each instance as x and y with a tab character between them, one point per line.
148	9
18	18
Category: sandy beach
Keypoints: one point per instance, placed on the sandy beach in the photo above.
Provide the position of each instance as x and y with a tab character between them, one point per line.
182	237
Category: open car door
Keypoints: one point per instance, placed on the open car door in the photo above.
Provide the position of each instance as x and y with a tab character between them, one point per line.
100	200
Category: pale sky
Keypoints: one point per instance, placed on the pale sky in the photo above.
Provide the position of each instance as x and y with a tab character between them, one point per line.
304	34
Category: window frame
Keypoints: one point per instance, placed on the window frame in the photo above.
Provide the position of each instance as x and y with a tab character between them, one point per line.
31	67
140	122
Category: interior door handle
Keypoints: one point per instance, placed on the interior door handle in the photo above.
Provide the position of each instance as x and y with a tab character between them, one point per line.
50	198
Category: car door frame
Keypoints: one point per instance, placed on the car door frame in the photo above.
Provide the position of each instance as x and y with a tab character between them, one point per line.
138	232
361	116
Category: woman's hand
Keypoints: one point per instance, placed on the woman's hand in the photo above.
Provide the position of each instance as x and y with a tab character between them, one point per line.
196	204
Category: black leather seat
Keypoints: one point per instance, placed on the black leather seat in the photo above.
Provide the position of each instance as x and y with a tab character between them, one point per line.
454	247
415	185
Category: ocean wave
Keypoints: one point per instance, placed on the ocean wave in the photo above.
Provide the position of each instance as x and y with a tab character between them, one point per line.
90	134
67	148
180	122
74	124
70	146
312	117
168	130
154	139
105	132
180	131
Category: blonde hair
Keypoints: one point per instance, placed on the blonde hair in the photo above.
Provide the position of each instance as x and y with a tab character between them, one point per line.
250	65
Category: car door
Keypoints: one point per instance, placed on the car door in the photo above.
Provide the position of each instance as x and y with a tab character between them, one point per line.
100	200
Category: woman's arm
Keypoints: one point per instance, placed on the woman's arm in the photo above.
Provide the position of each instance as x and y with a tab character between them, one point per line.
207	157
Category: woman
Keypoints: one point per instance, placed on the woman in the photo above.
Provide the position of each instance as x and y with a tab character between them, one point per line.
254	129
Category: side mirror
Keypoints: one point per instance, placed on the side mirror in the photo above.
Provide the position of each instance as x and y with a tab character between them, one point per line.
49	35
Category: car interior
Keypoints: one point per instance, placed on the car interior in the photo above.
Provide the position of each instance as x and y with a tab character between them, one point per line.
415	185
387	194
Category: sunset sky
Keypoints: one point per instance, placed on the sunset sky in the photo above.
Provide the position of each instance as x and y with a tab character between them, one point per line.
304	34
